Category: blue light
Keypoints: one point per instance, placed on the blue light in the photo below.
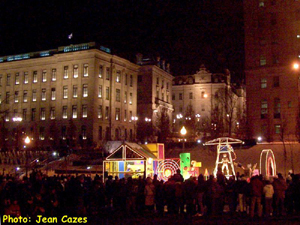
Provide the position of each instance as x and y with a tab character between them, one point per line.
47	53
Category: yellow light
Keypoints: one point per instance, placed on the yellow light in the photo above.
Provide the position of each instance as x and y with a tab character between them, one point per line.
27	140
183	131
150	160
205	95
168	173
296	66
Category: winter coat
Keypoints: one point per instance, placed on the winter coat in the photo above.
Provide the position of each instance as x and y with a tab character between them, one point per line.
268	191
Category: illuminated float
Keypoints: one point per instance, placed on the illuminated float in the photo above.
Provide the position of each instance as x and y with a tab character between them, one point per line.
225	154
267	163
131	159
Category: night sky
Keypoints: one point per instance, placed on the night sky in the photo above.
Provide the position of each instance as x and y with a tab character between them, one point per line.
185	33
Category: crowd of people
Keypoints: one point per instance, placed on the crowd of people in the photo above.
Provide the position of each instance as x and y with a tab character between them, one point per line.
84	196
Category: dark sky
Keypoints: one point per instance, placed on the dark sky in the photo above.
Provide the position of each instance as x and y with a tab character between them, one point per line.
185	33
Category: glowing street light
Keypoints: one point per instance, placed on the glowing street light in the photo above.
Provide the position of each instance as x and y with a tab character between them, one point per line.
296	66
259	138
17	119
183	133
27	142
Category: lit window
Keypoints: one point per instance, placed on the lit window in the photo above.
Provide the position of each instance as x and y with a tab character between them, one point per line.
261	3
125	97
191	95
107	73
44	76
125	115
118	76
263	83
64	132
83	132
100	71
107	93
42	133
65	92
85	90
8	79
6	116
75	91
53	94
262	61
25	96
75	71
74	111
130	116
34	77
34	95
43	113
117	113
126	78
264	109
43	94
130	98
118	95
17	79
298	36
277	108
53	75
66	74
65	112
26	78
85	70
277	129
100	112
84	111
52	113
16	96
173	96
100	91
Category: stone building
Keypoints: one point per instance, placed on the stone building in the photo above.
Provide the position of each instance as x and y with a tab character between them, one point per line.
154	102
272	44
76	95
207	104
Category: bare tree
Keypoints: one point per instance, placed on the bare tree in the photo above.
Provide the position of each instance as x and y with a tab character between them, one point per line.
162	125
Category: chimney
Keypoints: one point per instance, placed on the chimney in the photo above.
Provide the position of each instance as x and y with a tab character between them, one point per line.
163	64
158	61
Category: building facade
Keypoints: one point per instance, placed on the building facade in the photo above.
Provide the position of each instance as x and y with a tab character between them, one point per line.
76	95
154	106
272	44
206	104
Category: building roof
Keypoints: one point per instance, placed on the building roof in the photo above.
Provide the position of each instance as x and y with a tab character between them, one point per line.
128	151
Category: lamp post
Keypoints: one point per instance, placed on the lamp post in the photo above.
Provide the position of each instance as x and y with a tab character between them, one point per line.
183	133
27	142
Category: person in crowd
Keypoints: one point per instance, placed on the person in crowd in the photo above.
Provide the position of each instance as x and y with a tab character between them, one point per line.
268	192
256	195
149	195
279	192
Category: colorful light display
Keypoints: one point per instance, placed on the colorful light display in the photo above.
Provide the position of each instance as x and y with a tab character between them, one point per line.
167	168
267	163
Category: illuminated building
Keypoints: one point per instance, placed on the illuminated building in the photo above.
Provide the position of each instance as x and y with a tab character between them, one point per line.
77	95
272	46
197	98
154	90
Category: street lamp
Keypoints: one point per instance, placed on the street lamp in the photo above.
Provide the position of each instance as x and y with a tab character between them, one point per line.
134	119
27	142
17	120
183	133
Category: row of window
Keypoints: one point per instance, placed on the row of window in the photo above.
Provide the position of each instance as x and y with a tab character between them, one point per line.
83	133
65	75
277	129
277	108
65	94
75	114
263	82
162	96
180	96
